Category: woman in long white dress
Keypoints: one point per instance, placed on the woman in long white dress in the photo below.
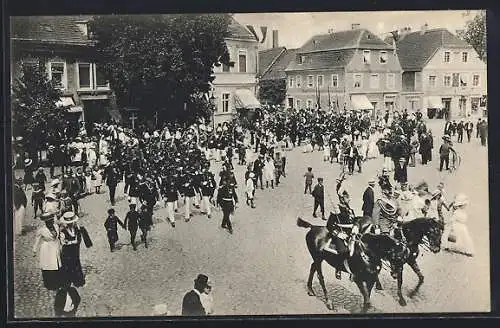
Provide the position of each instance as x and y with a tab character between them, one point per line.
269	172
457	227
373	151
364	147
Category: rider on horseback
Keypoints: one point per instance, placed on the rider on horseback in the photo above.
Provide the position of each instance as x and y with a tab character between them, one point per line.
387	213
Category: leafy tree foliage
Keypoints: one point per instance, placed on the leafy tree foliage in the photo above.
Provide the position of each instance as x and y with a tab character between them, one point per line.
35	115
162	62
475	34
272	91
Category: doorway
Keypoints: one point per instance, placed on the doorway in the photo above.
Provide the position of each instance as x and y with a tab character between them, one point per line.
446	107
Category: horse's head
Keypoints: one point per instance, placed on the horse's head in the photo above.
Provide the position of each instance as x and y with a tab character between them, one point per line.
434	232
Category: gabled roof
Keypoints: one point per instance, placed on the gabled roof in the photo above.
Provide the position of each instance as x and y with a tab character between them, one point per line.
416	49
327	59
238	31
351	39
268	57
60	29
277	69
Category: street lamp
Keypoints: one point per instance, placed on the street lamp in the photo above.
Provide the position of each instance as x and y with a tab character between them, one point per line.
212	104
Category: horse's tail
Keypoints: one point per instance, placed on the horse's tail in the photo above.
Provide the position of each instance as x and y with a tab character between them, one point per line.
303	224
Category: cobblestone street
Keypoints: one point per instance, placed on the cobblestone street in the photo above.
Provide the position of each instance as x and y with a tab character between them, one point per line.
262	268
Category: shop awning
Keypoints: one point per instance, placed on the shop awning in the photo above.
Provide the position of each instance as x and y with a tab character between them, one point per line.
434	102
65	101
244	98
361	102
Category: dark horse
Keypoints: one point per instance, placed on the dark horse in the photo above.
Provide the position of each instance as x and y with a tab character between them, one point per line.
364	265
414	232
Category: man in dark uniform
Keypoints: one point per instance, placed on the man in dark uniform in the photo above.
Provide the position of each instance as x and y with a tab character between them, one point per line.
111	176
258	165
368	199
460	131
319	198
227	199
132	223
207	191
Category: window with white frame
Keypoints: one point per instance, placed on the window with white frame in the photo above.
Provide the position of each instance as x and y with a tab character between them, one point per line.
310	81
358	80
100	80
242	60
225	102
366	56
298	103
391	80
383	57
335	80
464	79
84	76
446	56
447	81
374	81
432	80
320	81
301	59
309	103
290	82
57	74
475	80
298	81
464	57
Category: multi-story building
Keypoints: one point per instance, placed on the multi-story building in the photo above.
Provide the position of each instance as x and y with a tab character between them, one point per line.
440	71
234	88
355	69
62	44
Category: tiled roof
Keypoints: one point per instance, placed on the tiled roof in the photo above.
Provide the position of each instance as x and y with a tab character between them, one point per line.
416	49
327	59
277	70
351	39
267	57
61	29
238	31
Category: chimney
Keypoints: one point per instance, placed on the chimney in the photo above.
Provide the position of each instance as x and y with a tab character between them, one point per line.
275	39
355	26
424	29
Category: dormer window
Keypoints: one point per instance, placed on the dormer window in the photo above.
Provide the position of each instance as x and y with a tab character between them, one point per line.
83	27
302	59
383	57
366	56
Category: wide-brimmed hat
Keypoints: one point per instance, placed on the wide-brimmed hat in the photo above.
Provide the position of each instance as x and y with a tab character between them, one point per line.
50	196
371	182
47	216
69	217
446	137
460	200
28	162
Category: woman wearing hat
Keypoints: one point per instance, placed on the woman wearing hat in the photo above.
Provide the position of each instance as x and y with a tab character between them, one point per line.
47	243
19	201
462	242
71	238
28	173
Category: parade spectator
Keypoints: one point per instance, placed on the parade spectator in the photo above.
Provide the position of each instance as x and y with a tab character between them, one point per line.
111	225
444	153
41	178
207	299
250	189
401	171
145	223
483	132
309	179
131	223
352	156
88	182
28	173
414	147
456	235
478	127
319	198
269	172
52	204
469	127
71	237
112	177
47	243
66	302
191	303
37	198
369	199
258	165
460	131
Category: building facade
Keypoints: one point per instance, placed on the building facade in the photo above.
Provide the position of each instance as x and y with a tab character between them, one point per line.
441	71
62	45
234	87
352	69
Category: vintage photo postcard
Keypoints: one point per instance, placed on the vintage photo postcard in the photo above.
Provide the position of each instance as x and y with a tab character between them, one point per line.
249	164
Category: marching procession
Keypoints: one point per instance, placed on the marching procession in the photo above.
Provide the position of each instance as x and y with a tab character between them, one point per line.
175	166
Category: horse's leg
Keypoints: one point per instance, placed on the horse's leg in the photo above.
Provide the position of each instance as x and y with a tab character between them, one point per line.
366	297
378	285
402	300
329	303
310	290
416	269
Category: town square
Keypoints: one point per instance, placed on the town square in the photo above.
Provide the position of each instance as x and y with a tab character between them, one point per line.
278	169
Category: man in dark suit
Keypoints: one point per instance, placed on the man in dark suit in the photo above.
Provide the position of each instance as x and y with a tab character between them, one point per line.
469	127
401	171
112	177
460	131
368	199
352	155
191	303
447	128
319	198
258	165
478	127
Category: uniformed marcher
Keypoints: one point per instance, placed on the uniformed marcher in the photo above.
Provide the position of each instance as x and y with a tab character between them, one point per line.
227	199
208	186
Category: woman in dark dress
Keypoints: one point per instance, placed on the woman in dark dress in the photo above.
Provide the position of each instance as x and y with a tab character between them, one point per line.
71	238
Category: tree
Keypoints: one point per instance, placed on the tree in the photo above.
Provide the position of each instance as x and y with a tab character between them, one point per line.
272	91
162	62
475	34
35	113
